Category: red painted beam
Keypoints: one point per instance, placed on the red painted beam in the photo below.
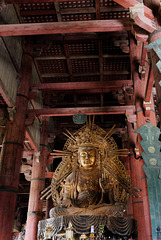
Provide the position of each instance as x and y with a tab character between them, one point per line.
64	27
49	112
82	85
130	3
31	141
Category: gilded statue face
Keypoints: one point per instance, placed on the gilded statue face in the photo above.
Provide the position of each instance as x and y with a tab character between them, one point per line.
87	157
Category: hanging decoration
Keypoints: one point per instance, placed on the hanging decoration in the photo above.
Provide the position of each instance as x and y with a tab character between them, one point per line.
151	147
79	118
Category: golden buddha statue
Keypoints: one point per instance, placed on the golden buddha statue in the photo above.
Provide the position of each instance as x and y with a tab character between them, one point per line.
90	180
81	189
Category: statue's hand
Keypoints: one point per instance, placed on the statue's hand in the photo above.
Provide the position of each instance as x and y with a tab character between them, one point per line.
67	203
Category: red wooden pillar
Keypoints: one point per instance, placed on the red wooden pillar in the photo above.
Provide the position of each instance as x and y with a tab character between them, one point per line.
141	207
157	75
11	154
126	161
37	185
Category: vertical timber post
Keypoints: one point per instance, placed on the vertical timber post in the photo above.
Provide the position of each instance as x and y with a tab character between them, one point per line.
11	153
126	161
156	71
141	207
37	185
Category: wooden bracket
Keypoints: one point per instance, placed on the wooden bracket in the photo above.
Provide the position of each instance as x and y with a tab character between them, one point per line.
131	117
137	8
137	14
145	23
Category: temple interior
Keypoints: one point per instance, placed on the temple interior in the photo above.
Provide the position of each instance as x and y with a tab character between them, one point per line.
80	119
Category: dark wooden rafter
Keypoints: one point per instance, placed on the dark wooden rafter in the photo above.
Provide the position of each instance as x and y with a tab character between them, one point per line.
100	59
81	85
66	50
58	12
46	75
78	37
72	11
49	112
64	27
56	57
97	7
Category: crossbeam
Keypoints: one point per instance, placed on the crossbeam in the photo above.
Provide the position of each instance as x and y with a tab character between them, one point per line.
64	27
51	112
81	85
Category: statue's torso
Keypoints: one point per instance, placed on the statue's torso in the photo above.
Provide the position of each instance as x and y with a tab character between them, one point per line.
88	191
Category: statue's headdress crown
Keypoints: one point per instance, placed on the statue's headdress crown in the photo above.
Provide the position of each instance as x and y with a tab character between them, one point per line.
89	135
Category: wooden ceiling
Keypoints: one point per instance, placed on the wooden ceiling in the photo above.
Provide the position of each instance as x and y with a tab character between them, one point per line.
80	69
81	51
